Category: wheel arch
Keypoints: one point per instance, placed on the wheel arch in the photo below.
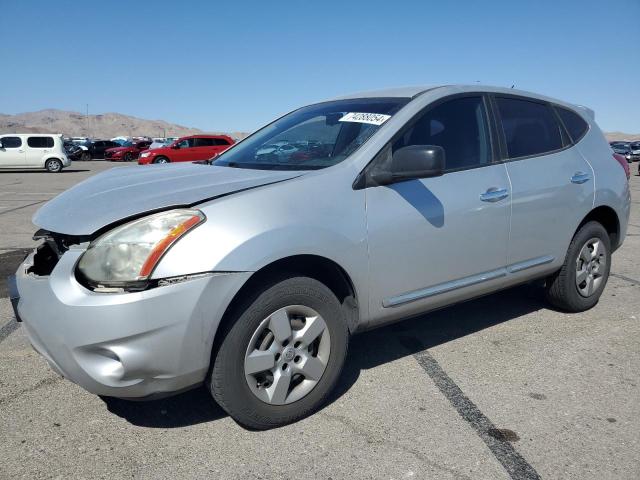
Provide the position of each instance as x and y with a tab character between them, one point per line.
608	218
317	267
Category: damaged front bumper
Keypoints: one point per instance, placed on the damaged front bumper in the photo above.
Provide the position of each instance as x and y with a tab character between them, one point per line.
124	345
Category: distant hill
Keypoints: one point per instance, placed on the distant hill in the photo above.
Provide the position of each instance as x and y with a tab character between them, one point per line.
106	125
109	125
613	136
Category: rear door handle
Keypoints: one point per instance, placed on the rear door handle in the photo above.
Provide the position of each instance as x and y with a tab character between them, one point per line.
494	194
580	177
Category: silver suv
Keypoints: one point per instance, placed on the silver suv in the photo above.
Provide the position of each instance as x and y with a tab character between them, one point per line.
250	274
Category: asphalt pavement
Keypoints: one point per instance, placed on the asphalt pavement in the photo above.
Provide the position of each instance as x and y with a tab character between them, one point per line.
496	388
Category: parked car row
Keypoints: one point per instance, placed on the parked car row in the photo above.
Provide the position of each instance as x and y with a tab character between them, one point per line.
629	150
174	149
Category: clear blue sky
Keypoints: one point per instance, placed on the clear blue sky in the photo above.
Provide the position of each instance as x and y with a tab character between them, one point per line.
235	65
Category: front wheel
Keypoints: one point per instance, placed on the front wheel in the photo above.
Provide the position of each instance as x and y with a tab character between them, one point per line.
128	157
161	160
577	286
282	354
86	156
53	165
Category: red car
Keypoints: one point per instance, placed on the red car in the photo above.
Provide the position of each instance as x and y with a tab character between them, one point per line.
126	154
188	149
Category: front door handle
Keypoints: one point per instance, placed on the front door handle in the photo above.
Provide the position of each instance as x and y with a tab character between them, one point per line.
494	194
580	177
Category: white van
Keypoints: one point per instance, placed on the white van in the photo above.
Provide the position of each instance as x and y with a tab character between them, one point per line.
33	150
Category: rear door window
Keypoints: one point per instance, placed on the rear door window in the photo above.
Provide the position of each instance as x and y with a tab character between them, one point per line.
40	142
11	142
573	122
221	142
530	128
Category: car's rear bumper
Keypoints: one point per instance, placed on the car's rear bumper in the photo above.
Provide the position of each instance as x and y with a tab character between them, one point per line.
123	344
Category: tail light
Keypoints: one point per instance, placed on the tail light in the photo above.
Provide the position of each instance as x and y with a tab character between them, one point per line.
623	161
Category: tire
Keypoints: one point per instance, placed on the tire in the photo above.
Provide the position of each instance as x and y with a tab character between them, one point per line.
127	157
161	160
563	289
86	156
53	165
229	382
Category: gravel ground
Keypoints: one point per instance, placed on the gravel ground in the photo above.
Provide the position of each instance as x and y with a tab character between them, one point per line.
500	387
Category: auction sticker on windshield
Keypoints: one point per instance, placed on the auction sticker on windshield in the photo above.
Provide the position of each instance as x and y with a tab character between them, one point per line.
372	118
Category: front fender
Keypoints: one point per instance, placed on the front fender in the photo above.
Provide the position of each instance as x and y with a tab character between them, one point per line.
250	230
208	249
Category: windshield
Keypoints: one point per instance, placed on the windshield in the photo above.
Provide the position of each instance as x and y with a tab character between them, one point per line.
313	137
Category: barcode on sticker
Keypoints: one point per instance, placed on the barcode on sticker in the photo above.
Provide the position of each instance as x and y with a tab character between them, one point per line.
372	118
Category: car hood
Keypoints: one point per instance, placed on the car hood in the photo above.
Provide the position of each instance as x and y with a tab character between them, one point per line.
121	193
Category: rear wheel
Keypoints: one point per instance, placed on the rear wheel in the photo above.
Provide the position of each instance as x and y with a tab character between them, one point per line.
161	160
282	354
577	286
53	165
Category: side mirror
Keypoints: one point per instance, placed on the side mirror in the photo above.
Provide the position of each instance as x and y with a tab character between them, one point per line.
175	146
407	163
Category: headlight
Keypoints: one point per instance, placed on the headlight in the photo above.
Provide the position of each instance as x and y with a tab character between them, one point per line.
145	154
129	253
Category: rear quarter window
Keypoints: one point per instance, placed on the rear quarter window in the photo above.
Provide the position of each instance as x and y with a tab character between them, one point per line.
530	128
40	142
573	122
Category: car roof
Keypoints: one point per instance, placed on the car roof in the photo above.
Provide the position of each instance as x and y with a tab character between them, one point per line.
414	91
